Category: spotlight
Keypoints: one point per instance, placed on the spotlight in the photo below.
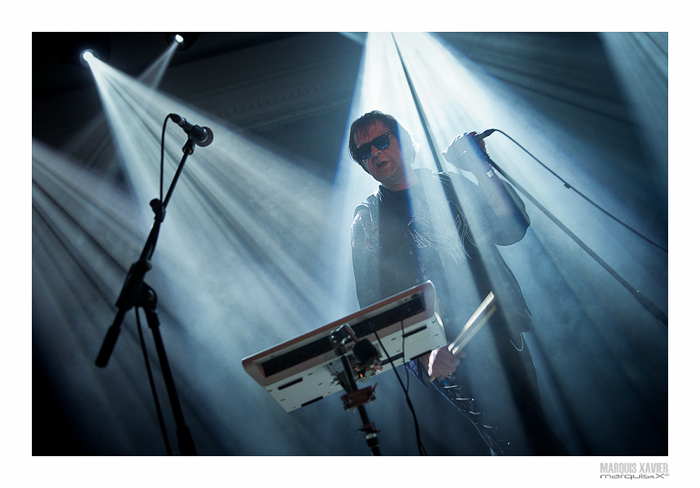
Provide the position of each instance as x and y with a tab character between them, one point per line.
69	47
185	40
87	55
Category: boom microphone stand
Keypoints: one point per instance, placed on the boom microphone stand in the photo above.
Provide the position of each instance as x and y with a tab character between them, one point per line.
136	293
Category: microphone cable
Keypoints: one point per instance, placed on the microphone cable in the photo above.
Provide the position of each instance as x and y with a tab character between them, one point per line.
162	156
421	448
643	300
651	307
568	186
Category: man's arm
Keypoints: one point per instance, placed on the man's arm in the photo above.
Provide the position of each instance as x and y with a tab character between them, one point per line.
507	208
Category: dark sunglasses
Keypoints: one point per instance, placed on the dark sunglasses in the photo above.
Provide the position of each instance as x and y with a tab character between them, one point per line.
364	151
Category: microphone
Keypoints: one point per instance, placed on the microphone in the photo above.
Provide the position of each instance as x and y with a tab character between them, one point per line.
483	135
202	136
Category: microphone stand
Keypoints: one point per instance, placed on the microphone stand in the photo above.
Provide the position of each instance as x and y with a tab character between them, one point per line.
356	398
136	293
652	308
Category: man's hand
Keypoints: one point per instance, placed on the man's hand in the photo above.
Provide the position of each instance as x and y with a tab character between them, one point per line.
441	363
466	152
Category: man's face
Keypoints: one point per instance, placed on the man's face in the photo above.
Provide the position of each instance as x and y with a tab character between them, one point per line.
385	165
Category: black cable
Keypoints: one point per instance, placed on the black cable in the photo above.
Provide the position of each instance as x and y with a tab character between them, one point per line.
570	187
419	443
643	300
162	156
638	295
159	411
424	121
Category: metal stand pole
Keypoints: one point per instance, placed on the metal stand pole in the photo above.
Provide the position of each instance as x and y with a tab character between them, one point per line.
136	293
355	398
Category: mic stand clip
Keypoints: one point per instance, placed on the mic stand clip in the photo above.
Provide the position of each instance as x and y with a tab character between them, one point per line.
355	398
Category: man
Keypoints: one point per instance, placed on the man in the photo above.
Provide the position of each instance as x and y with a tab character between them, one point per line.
421	226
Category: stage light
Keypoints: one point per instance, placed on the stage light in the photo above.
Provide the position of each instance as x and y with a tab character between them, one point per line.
238	209
69	47
183	40
87	56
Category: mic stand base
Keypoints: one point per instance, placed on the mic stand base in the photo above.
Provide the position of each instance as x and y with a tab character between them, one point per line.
147	299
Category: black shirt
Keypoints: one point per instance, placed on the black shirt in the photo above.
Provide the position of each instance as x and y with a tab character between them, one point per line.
441	230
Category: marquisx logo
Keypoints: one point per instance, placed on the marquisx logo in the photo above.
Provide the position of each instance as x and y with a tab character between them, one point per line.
633	471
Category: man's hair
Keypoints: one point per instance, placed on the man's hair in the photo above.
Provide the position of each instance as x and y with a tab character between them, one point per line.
408	146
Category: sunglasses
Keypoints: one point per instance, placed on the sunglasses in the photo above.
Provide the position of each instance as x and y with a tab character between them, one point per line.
364	151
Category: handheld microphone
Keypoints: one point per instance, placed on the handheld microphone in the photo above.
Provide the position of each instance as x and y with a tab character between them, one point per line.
483	135
202	136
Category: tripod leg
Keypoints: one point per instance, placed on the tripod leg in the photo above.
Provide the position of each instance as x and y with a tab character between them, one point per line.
148	301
